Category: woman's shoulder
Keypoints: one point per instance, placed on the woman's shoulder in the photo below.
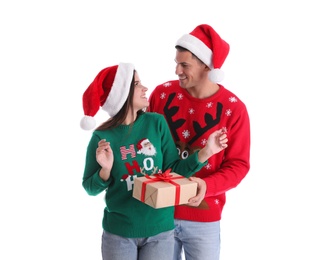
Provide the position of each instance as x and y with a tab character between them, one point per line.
154	116
153	119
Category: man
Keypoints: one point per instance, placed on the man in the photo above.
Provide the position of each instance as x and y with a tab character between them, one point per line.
195	106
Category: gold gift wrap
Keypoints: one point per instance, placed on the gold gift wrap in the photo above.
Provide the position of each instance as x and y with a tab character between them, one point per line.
164	189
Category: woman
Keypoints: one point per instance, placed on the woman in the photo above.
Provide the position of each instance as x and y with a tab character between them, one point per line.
130	144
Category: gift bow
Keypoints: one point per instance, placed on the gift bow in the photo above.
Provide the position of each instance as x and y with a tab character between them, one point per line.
166	177
163	176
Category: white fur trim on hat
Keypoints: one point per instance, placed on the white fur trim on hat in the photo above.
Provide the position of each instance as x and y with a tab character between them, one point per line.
120	89
197	47
216	75
87	123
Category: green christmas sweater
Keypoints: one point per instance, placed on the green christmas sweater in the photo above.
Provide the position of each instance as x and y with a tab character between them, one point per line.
146	147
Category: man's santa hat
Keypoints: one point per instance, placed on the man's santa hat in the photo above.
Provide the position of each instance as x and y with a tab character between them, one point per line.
109	90
207	45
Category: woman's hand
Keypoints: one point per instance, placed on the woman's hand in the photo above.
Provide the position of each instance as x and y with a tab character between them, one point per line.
105	157
217	142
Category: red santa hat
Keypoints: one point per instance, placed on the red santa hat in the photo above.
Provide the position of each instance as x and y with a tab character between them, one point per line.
209	47
109	90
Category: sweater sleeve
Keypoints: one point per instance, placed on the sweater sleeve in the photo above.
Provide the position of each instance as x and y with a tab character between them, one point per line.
236	163
92	182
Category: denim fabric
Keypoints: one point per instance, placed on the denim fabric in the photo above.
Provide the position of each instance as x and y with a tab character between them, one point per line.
149	248
197	240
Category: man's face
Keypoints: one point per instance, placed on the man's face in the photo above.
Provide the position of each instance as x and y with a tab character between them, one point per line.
189	69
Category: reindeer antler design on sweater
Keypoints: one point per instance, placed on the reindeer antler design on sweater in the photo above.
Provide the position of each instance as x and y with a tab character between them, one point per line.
170	111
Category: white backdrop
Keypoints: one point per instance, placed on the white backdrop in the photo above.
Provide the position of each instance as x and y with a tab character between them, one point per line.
280	65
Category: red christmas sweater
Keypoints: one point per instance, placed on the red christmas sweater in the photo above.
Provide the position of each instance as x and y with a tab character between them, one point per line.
191	121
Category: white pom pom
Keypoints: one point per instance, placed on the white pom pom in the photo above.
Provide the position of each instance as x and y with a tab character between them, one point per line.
216	75
87	123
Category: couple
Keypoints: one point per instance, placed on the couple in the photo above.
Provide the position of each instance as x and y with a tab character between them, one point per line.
195	119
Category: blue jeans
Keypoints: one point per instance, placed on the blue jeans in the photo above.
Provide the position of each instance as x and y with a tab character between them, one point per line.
156	247
199	240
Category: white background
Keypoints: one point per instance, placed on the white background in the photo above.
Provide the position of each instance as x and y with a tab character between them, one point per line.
280	65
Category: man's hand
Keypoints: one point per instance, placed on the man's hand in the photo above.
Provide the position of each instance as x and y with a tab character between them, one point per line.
201	191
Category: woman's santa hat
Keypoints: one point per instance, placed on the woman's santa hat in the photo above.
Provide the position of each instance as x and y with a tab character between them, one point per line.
207	45
109	90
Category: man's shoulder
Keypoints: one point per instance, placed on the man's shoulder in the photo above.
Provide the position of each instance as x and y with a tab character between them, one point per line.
231	96
166	86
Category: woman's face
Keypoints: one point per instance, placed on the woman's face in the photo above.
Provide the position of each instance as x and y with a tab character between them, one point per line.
140	100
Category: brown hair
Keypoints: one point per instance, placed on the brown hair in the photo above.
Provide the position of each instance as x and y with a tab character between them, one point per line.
119	118
182	49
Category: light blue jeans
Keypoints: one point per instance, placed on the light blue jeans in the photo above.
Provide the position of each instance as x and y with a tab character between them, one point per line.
198	240
156	247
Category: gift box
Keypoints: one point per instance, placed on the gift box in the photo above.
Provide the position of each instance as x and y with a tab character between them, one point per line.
164	189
